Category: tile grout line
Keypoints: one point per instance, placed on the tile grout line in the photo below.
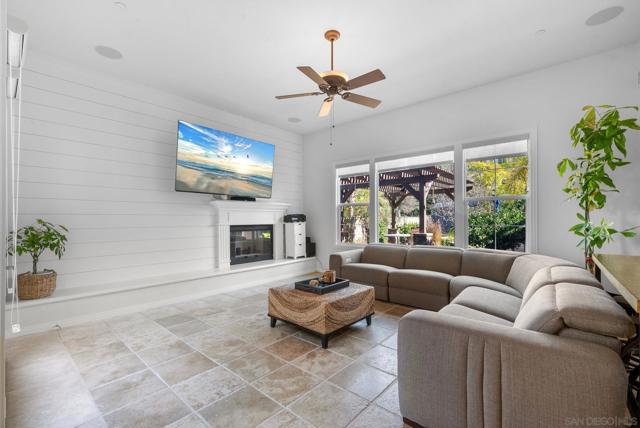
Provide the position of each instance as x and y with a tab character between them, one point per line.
163	381
222	365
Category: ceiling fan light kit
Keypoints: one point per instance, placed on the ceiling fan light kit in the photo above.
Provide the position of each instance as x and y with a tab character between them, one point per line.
336	82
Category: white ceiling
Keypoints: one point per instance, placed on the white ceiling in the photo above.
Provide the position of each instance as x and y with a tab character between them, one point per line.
237	55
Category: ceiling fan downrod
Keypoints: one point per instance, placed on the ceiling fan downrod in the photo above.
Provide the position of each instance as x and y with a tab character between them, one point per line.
332	36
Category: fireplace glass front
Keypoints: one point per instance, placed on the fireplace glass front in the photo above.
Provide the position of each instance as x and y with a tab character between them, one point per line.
251	243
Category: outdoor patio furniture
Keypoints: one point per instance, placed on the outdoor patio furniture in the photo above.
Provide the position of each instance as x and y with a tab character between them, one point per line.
397	237
422	238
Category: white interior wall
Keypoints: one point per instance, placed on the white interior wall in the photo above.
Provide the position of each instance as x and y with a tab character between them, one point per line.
3	217
98	156
547	101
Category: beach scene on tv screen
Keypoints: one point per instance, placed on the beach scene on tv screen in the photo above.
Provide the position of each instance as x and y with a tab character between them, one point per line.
213	161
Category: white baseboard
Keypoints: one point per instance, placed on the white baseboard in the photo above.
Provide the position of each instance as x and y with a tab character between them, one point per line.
70	309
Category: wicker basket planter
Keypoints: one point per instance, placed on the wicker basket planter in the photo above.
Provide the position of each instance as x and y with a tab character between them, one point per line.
36	286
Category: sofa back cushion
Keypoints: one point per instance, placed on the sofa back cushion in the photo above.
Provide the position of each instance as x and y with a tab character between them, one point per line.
438	259
541	313
556	274
388	255
592	309
487	264
576	306
527	265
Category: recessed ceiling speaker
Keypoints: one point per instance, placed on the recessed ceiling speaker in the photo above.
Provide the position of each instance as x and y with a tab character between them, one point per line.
108	52
604	16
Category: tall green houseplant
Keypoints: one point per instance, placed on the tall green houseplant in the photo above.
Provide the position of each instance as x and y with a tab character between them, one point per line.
600	133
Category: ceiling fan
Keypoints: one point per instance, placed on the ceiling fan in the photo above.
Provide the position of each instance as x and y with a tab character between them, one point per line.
334	83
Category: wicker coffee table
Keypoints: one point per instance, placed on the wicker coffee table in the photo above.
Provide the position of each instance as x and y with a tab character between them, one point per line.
321	314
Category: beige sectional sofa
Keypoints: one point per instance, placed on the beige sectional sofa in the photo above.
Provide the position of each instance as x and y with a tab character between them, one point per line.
519	340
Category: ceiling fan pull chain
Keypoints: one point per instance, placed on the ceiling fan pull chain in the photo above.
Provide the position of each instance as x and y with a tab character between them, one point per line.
333	125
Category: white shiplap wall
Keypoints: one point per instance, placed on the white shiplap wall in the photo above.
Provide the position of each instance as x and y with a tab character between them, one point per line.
98	155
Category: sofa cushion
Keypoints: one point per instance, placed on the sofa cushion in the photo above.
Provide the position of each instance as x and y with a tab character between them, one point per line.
492	302
417	299
424	281
556	274
459	283
473	314
541	313
576	306
591	309
487	264
526	266
367	273
388	255
437	259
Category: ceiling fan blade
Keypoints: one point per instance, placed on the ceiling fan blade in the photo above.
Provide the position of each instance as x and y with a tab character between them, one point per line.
366	79
305	94
326	107
361	99
311	74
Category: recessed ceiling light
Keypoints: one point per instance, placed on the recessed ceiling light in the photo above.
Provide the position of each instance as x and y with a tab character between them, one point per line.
108	52
120	4
294	120
605	15
541	32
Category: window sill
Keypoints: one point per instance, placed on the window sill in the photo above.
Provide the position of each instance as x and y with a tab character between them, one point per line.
347	246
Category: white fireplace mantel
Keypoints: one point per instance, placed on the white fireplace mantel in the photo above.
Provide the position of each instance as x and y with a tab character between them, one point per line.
231	213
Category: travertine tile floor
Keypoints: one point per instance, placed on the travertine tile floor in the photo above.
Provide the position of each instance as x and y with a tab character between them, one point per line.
212	362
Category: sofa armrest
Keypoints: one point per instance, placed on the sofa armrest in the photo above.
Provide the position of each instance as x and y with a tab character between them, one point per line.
456	372
337	260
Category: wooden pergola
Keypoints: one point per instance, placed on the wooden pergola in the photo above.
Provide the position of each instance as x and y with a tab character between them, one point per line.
397	185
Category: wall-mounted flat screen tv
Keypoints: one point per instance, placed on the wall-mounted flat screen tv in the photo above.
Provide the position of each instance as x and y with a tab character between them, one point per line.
218	162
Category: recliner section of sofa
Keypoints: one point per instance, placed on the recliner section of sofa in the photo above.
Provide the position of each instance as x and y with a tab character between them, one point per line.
407	287
373	266
371	274
493	265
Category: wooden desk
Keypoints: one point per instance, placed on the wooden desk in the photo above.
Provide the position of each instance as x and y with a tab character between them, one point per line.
624	274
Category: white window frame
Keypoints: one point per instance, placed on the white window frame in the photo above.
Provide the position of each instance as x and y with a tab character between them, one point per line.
376	170
529	197
461	235
339	205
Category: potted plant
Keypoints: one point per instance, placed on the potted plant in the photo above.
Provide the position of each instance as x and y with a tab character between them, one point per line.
35	240
600	133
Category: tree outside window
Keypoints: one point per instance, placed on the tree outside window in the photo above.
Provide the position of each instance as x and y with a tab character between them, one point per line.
496	202
353	204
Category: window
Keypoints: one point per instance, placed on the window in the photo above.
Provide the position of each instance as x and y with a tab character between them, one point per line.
422	199
416	200
496	195
353	204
